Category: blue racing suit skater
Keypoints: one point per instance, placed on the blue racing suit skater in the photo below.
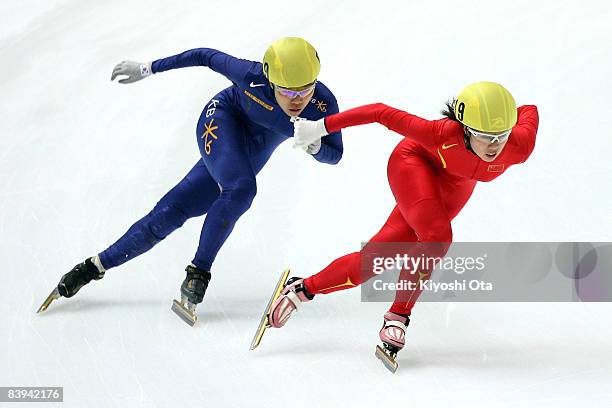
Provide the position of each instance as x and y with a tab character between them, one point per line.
237	132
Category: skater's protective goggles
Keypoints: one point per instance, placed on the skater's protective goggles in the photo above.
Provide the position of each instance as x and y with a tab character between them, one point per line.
292	93
490	137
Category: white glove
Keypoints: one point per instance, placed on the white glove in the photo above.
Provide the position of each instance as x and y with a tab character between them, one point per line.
313	148
307	132
134	71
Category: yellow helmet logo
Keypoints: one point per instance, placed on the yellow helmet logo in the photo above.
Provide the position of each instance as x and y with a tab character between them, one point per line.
487	107
291	62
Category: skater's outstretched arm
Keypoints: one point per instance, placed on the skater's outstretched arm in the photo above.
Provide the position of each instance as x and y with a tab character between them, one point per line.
411	126
426	132
232	68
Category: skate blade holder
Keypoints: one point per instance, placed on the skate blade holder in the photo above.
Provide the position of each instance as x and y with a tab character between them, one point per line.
387	357
185	310
264	323
54	295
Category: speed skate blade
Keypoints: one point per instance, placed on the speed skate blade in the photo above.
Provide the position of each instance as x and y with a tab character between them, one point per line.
387	359
53	296
183	311
264	323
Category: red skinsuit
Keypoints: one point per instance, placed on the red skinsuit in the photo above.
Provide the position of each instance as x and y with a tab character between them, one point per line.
432	175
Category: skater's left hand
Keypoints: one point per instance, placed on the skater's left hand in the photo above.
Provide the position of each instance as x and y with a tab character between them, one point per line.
307	132
134	71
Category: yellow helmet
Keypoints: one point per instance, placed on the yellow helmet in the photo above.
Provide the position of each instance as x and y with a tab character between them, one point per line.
291	62
486	106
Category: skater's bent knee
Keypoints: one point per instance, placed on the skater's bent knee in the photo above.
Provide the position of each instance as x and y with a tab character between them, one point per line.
166	219
437	238
242	194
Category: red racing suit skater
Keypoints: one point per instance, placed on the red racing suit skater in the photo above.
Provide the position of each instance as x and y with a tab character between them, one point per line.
432	174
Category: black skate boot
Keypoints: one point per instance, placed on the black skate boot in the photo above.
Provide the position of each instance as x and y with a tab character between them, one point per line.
73	281
192	292
78	277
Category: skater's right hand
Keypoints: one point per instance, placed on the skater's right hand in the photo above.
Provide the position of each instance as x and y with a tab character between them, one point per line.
134	71
306	132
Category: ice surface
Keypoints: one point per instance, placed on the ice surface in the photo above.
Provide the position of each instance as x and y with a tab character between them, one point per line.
82	158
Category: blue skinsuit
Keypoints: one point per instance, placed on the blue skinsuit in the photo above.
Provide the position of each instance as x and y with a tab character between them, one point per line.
237	132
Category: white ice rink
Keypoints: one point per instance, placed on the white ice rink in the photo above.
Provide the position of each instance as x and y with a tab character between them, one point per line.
82	158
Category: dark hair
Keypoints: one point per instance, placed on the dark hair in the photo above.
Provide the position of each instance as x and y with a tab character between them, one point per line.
449	112
449	109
